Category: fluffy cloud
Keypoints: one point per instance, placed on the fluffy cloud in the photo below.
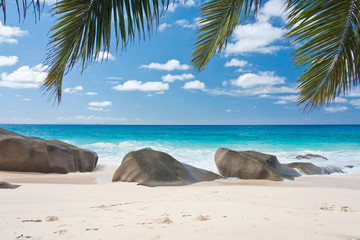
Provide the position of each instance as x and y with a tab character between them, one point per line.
133	85
340	100
24	77
335	109
236	63
354	92
172	6
355	103
104	56
100	104
99	109
8	61
8	34
249	80
172	78
115	78
272	8
91	93
170	65
73	89
261	36
263	91
286	99
194	85
163	26
257	37
186	24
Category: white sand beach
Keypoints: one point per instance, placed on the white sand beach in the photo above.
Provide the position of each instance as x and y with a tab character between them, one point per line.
89	206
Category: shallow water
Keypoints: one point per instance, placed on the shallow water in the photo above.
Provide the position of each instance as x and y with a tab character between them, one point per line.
196	145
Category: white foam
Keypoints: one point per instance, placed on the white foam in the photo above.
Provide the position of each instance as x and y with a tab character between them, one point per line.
112	153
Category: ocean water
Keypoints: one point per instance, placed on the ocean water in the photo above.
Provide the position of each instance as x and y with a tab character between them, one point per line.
196	145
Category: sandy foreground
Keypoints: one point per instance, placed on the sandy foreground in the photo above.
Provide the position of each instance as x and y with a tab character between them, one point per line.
88	206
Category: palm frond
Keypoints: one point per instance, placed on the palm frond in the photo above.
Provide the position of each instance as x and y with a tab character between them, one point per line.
218	19
23	6
329	32
84	28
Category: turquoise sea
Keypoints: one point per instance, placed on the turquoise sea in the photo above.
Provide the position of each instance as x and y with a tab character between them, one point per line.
196	145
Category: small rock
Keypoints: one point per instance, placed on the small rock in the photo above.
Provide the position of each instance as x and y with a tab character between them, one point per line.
6	185
310	156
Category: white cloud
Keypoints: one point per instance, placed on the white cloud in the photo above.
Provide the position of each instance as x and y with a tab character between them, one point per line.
189	3
163	26
186	24
8	61
172	6
24	77
228	110
236	63
286	99
272	8
172	78
261	36
335	109
26	99
355	103
263	91
115	78
170	65
104	56
133	85
8	34
98	109
257	37
354	92
73	89
91	93
194	85
249	80
100	104
340	100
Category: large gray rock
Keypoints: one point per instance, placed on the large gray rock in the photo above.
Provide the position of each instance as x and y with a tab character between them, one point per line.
153	168
312	169
29	154
251	165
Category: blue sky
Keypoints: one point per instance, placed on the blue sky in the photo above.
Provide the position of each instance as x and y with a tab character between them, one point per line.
152	82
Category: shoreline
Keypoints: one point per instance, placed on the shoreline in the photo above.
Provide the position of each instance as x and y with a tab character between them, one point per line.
103	175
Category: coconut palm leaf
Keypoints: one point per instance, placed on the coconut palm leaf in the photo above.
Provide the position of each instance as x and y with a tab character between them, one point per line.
84	28
329	32
24	5
218	19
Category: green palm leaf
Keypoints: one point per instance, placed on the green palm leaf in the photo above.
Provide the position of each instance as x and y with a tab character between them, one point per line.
24	5
84	28
218	19
329	32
